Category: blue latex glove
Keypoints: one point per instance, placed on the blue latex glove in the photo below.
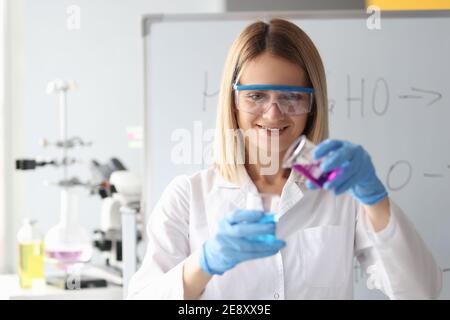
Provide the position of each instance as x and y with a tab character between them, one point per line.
231	246
358	173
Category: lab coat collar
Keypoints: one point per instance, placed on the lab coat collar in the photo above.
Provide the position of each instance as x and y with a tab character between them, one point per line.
291	194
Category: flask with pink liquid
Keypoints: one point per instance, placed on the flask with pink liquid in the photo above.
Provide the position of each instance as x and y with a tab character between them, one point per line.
299	157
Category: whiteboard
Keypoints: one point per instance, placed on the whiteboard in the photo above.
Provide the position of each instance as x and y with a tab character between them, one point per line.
388	89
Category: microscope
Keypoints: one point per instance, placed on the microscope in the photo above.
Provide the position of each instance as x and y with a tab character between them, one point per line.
119	188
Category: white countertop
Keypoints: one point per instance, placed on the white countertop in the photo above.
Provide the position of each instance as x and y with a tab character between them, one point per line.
10	290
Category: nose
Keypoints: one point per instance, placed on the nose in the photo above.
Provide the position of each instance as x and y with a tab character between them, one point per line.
273	112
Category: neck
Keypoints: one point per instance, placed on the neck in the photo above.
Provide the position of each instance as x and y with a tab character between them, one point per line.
268	176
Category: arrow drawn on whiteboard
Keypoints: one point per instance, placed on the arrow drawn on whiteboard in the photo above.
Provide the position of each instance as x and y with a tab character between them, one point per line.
205	92
437	95
433	175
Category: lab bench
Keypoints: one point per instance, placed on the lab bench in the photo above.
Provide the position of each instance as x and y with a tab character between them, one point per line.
11	290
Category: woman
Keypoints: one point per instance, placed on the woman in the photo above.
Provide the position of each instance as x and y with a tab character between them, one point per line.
199	247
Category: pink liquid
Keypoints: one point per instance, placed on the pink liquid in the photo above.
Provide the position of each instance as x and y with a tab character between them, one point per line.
66	256
313	173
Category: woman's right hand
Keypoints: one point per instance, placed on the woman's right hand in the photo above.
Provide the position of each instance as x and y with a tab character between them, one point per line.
231	246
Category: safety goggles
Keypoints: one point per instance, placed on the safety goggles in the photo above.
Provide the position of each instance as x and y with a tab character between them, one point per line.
259	98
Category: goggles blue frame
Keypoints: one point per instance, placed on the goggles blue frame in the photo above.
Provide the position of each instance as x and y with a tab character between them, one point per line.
273	87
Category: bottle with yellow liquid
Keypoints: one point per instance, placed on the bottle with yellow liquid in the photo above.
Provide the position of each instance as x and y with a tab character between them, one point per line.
31	255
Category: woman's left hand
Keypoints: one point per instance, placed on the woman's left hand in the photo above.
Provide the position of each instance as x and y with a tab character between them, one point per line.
357	171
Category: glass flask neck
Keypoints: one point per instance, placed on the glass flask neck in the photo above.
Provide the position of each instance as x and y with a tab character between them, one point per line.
69	208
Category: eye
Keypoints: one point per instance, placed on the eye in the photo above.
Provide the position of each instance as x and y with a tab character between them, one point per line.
292	96
255	96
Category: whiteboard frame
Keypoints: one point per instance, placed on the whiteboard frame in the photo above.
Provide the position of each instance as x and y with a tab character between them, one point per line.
148	19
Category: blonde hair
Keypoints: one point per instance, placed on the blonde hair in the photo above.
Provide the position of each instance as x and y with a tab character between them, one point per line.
283	39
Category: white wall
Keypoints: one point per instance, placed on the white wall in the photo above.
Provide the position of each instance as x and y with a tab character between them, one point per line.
3	146
105	57
12	202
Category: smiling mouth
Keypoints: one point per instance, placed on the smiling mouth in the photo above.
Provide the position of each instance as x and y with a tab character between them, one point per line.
272	130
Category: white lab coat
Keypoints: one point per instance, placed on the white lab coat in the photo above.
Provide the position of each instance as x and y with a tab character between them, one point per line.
323	234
